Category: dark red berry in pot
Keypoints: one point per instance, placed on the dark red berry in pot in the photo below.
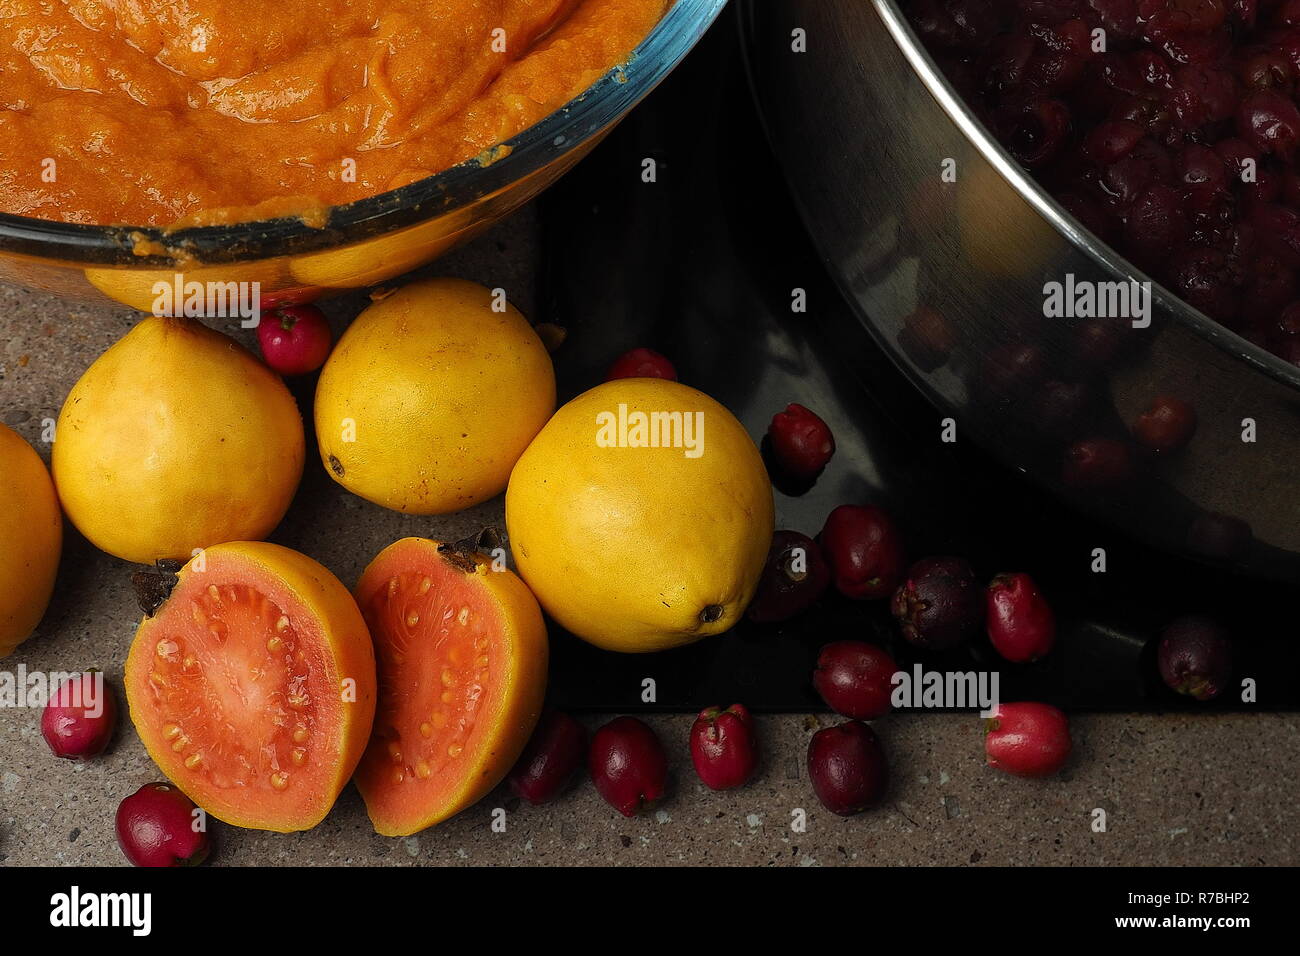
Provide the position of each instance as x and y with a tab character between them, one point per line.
628	765
1167	424
795	576
1027	739
801	443
927	338
79	717
864	549
1270	122
1097	463
1020	622
723	747
556	749
847	767
1195	657
1098	341
1109	141
855	679
295	340
641	363
1220	536
1011	370
939	604
159	826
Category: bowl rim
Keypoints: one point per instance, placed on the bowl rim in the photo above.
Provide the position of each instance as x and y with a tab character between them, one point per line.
951	102
493	170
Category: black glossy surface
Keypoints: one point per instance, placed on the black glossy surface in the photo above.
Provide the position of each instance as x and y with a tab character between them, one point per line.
701	265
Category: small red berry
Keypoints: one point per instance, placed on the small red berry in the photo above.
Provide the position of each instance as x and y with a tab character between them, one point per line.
1097	463
1167	425
159	826
1020	622
1027	739
295	340
1195	657
79	717
641	363
927	338
794	577
723	747
847	767
864	549
800	443
855	679
556	749
628	765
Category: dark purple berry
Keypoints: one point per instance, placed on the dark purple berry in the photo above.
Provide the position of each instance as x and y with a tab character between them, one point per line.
939	604
1195	657
795	576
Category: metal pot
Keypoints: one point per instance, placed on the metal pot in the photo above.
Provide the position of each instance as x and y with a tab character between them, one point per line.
949	252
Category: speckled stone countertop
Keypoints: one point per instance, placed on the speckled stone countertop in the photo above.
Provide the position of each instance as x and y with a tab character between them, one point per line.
1175	789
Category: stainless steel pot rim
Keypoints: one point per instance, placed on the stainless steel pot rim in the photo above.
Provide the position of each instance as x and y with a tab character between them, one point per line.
592	111
1061	220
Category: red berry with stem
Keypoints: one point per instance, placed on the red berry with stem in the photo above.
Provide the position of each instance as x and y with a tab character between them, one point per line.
556	749
855	679
159	826
641	363
628	765
1020	622
723	747
864	548
1027	739
80	716
295	340
847	767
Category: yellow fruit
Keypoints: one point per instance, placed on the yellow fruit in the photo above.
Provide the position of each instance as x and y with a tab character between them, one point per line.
137	287
636	548
31	538
431	396
176	439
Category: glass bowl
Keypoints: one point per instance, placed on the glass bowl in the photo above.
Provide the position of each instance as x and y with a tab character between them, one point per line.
361	243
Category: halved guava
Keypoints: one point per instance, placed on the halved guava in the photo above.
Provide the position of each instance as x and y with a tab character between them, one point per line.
253	685
462	656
